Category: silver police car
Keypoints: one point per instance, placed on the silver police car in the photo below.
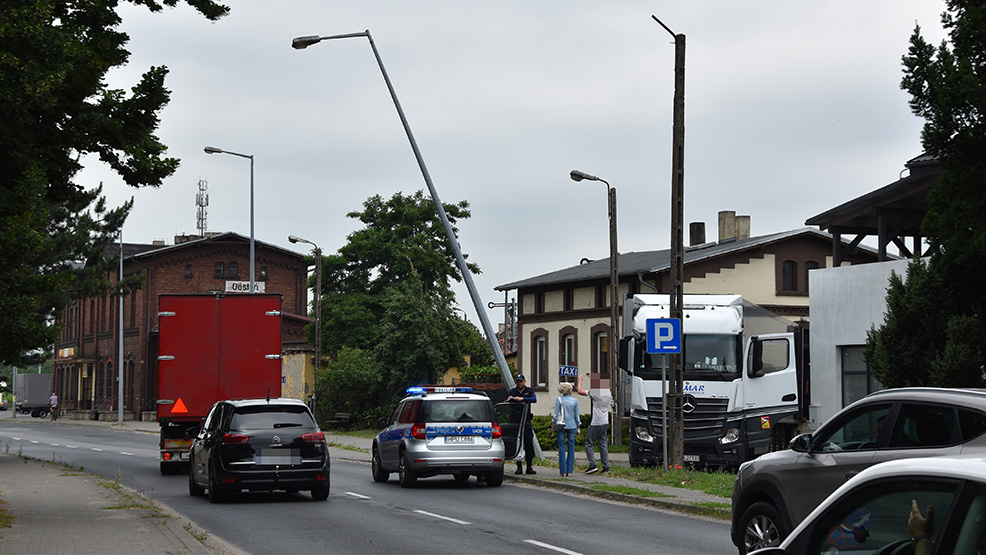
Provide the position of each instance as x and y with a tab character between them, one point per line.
446	430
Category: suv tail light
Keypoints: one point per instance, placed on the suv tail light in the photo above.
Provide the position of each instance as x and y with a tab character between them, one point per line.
496	430
418	431
317	437
231	439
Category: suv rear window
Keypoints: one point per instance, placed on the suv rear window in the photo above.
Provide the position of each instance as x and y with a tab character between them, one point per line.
266	417
456	410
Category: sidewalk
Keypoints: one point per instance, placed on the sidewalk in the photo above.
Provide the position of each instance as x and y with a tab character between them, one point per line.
54	509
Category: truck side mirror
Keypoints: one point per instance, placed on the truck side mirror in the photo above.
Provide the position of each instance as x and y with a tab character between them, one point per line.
756	359
624	354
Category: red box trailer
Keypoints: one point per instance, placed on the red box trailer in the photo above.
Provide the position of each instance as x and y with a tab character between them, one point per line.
212	347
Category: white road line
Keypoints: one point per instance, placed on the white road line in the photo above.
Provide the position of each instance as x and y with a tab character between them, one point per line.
125	453
552	547
54	444
32	441
450	519
357	495
16	438
95	448
71	446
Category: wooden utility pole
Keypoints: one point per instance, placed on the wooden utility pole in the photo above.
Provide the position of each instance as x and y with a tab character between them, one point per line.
676	435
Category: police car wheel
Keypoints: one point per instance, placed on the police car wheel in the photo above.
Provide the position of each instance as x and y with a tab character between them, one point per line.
407	476
376	468
495	478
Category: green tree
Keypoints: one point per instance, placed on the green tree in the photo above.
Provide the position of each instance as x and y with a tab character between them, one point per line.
473	343
55	108
933	332
350	384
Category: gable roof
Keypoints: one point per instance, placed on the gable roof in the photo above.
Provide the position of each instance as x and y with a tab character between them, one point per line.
633	263
138	250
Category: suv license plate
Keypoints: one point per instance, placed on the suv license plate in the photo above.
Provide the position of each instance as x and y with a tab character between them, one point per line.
692	458
459	439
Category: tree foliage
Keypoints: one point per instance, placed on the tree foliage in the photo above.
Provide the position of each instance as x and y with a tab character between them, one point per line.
55	108
935	326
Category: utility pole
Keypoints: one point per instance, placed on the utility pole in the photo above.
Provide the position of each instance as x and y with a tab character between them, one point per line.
676	435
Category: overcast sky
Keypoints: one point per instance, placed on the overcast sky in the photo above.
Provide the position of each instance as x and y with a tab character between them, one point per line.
792	108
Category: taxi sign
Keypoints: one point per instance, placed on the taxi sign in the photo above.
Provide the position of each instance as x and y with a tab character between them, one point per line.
569	371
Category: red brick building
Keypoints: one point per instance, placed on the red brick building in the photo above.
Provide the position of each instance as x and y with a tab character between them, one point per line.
87	351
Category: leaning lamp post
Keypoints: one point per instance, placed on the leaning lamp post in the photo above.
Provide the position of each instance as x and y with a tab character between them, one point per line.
613	340
300	43
317	305
214	150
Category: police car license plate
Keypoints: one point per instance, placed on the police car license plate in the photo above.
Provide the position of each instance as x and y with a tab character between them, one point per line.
692	458
459	439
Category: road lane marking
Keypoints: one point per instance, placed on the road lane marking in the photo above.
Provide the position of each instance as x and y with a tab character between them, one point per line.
125	453
95	448
54	444
448	518
71	446
33	441
552	547
357	495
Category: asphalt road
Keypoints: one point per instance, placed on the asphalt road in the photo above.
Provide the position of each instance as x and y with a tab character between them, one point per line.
361	516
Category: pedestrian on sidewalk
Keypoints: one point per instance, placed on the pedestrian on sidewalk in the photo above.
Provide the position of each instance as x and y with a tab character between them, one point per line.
524	394
601	398
567	415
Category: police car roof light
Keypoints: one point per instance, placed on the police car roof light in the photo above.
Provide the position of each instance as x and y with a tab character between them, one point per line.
418	390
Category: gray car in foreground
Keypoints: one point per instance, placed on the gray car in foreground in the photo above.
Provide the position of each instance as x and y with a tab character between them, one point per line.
776	491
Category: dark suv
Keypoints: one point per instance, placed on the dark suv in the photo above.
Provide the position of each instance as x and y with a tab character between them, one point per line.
775	492
259	444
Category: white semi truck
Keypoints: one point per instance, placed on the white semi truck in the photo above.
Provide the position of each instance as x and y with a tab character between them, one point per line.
744	386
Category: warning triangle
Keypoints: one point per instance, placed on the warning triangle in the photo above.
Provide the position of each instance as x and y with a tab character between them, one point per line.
179	407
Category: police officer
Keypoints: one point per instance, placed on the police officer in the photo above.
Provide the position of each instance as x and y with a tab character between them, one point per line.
524	394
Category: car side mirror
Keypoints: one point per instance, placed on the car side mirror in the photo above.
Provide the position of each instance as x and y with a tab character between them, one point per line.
382	423
801	443
192	432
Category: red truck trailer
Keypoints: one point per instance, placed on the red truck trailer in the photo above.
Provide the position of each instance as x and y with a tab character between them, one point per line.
212	347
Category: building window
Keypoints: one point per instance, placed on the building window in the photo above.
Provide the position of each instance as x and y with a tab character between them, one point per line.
809	266
601	350
539	303
263	273
539	358
569	303
233	269
600	296
858	380
789	275
188	271
220	269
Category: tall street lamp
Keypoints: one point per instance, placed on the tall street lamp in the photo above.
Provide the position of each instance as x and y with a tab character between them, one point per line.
318	296
613	340
300	43
214	150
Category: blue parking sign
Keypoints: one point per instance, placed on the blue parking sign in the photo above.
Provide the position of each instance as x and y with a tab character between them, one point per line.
570	371
664	336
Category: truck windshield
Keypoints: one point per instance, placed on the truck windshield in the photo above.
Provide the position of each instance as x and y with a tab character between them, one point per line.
707	357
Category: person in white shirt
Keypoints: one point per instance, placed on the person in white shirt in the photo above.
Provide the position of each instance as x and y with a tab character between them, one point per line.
601	398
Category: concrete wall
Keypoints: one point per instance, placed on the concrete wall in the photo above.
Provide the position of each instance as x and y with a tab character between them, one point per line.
845	303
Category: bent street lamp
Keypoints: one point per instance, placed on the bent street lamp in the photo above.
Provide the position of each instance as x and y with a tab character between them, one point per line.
301	43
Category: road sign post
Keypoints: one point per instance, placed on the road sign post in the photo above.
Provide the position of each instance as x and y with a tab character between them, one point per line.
664	337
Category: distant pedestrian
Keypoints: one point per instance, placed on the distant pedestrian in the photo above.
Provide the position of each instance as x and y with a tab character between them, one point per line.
601	398
524	394
565	421
53	402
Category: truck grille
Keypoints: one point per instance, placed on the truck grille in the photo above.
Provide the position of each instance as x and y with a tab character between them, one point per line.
706	420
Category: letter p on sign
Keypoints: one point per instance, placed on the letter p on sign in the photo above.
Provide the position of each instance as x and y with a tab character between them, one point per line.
664	335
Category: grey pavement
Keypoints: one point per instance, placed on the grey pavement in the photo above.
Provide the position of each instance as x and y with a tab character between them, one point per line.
57	510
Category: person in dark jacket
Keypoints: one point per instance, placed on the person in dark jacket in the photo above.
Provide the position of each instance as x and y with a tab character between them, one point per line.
524	394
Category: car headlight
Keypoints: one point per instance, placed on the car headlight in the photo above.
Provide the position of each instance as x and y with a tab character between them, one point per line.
732	435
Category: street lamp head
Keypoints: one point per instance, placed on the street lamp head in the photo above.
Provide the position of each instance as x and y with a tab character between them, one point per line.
213	150
576	175
294	238
300	43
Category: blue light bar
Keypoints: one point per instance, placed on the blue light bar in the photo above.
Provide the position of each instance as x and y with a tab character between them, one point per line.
449	389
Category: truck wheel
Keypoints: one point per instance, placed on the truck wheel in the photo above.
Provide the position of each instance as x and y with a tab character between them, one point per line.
376	467
194	489
761	526
407	476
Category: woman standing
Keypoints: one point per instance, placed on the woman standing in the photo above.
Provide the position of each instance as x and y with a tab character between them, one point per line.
567	414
